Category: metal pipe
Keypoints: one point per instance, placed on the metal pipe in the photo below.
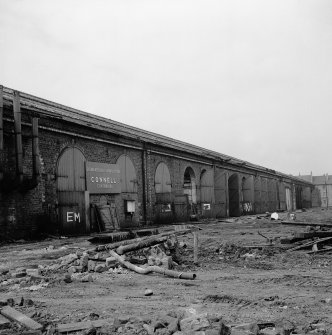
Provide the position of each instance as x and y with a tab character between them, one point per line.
149	269
1	117
18	137
35	148
1	133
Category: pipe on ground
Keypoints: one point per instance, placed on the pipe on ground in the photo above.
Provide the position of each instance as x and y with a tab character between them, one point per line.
149	269
18	137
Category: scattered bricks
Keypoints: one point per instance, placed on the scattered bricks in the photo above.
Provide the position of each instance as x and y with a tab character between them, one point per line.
79	269
167	262
246	328
67	278
148	292
33	272
91	265
10	302
84	261
111	262
79	253
19	274
100	268
71	270
4	271
66	260
197	322
3	302
87	278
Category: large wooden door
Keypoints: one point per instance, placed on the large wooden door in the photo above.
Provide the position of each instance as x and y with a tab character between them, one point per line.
234	195
71	194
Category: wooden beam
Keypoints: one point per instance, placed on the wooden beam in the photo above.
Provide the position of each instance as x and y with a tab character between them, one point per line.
301	223
308	244
76	326
4	322
17	316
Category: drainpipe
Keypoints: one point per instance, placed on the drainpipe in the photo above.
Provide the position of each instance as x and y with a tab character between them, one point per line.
18	137
1	133
35	150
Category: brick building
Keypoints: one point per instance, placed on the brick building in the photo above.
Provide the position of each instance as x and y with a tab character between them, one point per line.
66	171
323	185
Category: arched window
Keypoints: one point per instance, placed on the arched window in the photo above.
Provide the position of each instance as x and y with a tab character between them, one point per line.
128	175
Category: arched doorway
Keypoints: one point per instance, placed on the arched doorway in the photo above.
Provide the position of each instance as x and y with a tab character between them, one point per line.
207	192
247	195
71	195
163	189
234	195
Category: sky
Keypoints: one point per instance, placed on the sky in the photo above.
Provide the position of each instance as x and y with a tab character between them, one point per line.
251	79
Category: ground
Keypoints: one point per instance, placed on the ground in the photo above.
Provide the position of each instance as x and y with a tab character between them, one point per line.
240	283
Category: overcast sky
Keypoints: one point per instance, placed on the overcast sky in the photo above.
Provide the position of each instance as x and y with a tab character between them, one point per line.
251	78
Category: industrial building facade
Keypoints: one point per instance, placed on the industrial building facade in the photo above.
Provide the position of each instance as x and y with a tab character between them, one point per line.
69	172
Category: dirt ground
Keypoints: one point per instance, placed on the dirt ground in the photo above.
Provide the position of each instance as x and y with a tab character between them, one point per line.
235	280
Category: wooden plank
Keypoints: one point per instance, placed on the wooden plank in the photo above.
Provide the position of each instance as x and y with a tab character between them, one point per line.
4	322
326	249
15	315
302	223
76	326
310	243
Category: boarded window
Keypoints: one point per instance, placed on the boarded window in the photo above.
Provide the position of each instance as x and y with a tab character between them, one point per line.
207	188
162	182
128	175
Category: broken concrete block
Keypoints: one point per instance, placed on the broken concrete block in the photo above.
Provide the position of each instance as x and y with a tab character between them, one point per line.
100	268
10	302
84	261
197	322
246	328
33	272
91	265
87	278
18	274
4	271
111	262
67	278
71	270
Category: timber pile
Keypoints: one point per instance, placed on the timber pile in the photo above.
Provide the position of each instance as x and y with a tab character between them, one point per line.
156	253
316	238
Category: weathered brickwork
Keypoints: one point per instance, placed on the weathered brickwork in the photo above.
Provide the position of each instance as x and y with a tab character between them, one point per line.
200	186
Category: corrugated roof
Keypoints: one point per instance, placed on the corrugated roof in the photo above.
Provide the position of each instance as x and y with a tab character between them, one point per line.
58	111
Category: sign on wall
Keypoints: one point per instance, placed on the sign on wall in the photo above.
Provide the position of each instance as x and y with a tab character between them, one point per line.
103	178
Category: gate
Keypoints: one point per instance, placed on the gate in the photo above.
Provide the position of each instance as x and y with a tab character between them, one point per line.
71	194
